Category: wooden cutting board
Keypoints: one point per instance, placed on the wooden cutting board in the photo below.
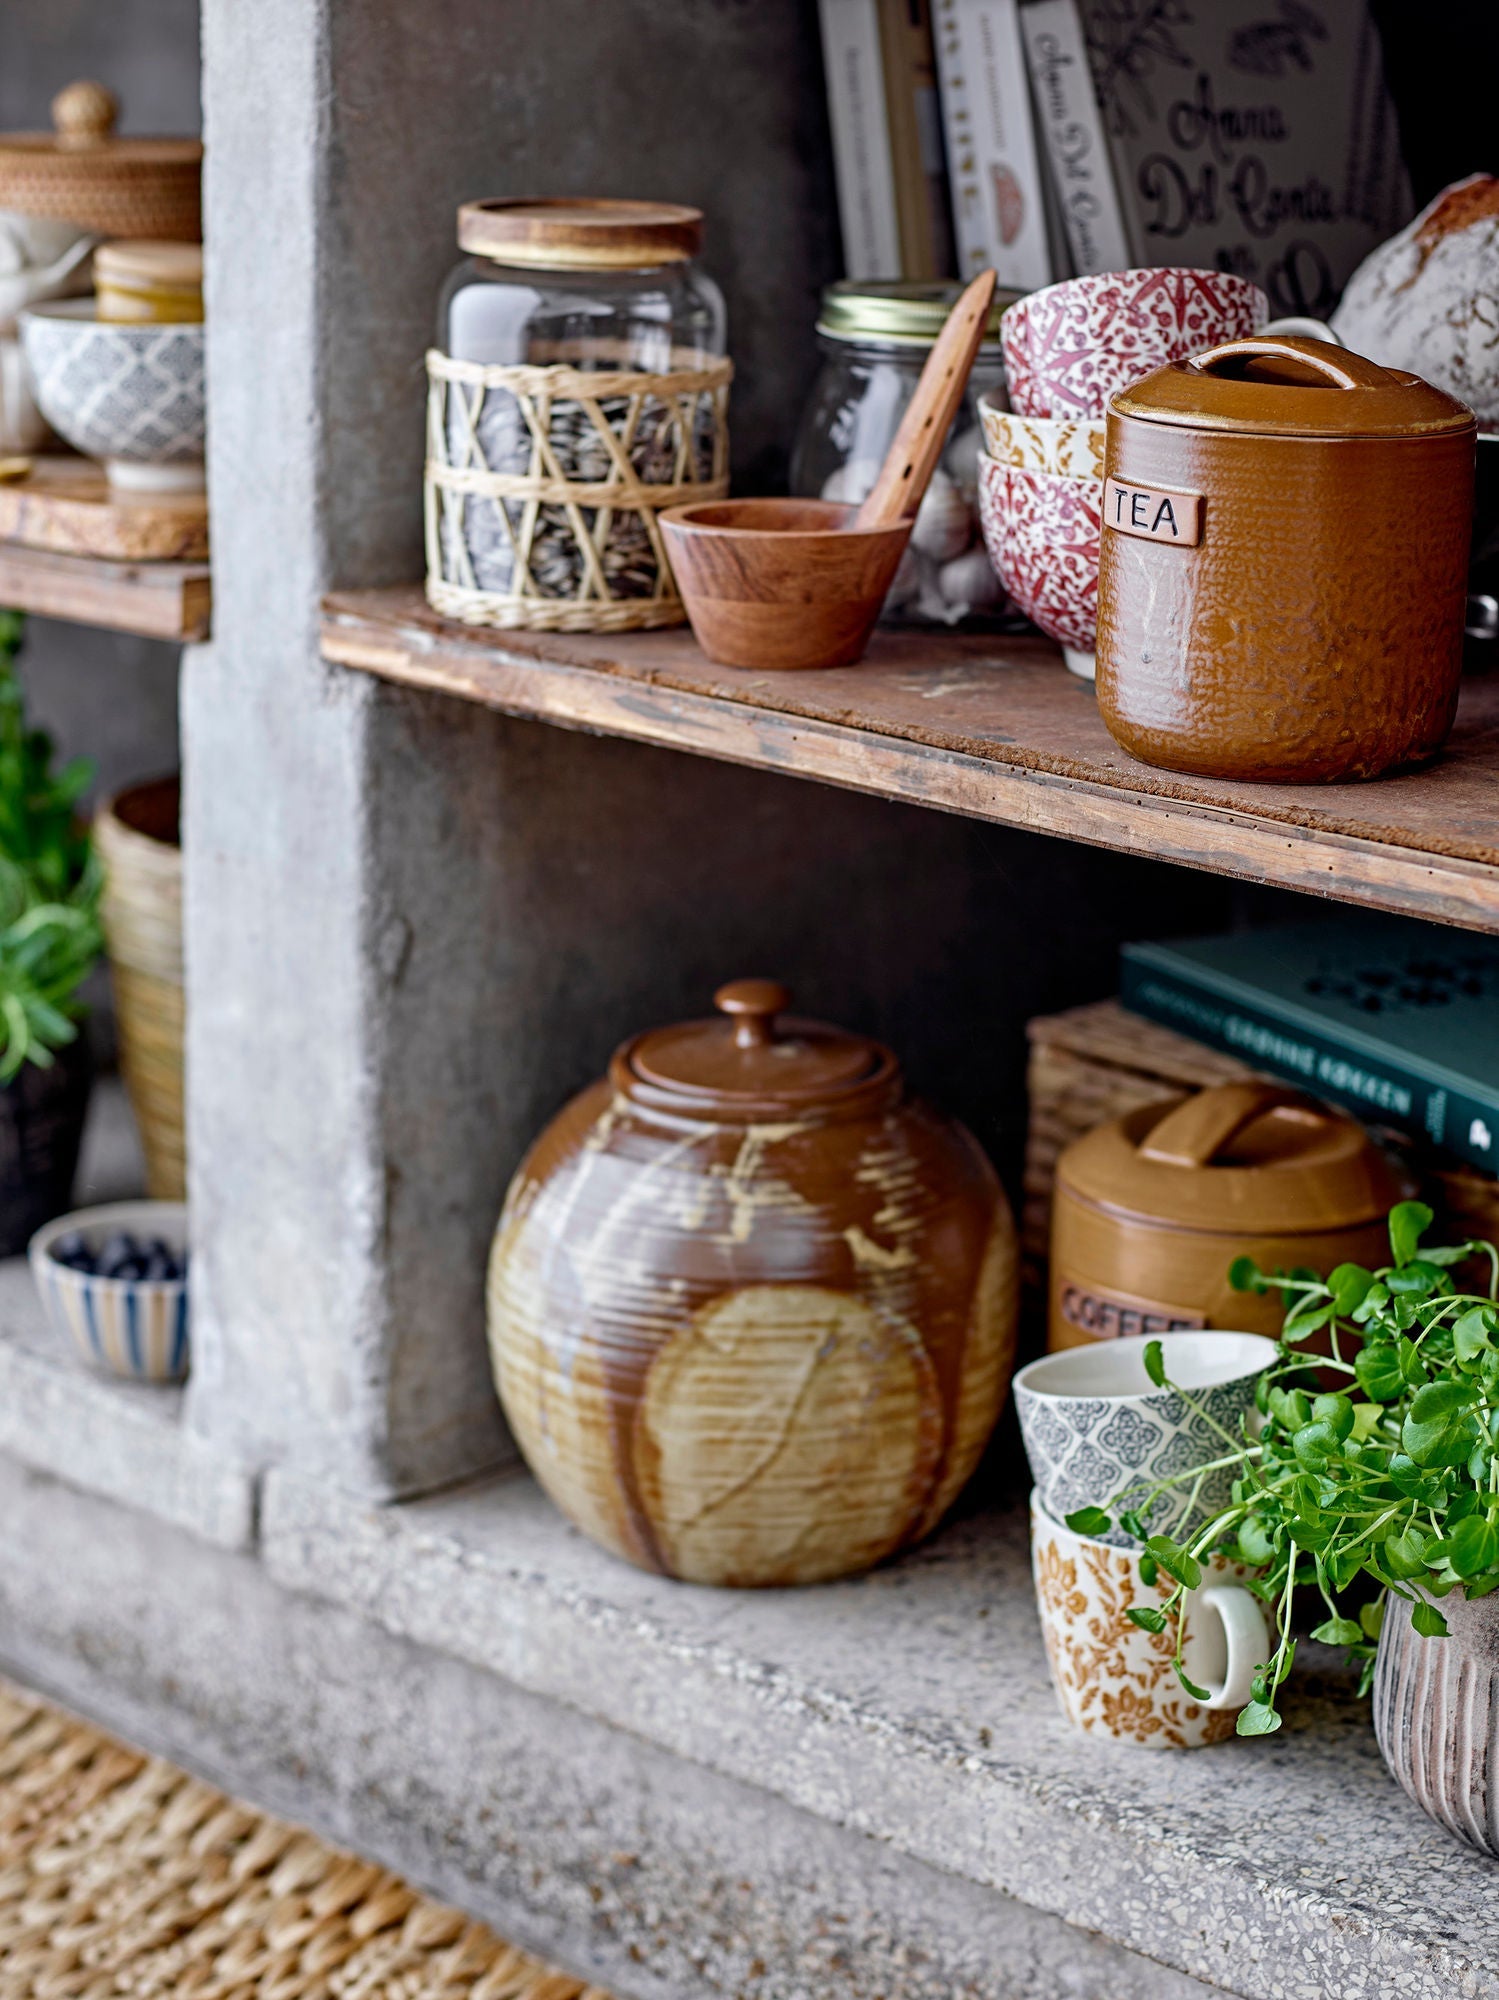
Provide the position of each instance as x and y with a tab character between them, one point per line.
66	504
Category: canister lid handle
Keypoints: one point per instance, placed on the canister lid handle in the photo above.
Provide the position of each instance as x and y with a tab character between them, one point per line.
1190	1135
1336	367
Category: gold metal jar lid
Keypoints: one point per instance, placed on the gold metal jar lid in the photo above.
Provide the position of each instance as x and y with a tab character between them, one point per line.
570	234
908	312
81	173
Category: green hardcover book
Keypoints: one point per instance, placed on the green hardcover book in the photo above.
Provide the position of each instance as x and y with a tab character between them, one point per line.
1398	1021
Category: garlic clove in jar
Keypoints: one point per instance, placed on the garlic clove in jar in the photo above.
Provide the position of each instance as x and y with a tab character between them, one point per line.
852	482
944	520
961	460
969	582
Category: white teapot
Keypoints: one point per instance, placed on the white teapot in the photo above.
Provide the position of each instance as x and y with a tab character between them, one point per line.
39	259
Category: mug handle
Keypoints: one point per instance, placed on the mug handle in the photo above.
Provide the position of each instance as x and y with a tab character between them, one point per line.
1248	1639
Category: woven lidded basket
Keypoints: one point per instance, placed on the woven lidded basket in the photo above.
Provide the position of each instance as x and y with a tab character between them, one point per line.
80	173
544	482
136	833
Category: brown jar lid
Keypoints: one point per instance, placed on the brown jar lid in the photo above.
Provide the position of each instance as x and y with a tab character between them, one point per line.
1248	1157
570	234
81	173
753	1061
1286	385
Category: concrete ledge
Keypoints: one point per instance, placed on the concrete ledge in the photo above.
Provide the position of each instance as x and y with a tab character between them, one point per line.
121	1440
912	1706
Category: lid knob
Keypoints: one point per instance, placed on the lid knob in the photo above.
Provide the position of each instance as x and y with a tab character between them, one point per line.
752	1005
84	114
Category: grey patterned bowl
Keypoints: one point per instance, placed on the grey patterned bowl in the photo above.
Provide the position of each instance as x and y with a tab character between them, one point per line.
132	394
1096	1427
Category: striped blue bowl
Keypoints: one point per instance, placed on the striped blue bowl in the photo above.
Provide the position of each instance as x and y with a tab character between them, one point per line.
135	1327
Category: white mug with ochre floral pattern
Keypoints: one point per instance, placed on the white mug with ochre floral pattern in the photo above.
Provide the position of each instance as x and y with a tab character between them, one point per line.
1112	1677
1096	1427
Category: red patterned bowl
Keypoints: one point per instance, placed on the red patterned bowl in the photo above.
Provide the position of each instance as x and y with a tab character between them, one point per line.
1070	347
1042	533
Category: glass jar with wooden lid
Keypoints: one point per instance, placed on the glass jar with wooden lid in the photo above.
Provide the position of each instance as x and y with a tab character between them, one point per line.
578	387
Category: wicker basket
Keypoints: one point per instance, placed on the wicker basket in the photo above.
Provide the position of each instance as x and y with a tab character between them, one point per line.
137	836
543	484
81	173
1098	1062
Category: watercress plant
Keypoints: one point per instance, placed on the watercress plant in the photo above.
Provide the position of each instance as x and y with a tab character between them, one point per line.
1392	1475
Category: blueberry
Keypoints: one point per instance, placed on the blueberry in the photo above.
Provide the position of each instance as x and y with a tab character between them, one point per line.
159	1267
118	1249
73	1251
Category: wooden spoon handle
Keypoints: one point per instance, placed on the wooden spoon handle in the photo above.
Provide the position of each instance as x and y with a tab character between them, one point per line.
912	458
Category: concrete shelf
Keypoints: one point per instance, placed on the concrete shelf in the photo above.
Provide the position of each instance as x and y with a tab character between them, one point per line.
912	1706
993	728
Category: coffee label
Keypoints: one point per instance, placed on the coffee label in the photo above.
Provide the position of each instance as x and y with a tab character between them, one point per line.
1114	1315
1155	513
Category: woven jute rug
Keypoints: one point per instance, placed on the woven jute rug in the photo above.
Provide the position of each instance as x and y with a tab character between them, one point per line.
120	1874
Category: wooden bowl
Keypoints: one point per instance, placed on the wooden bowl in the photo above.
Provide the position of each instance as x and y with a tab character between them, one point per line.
781	583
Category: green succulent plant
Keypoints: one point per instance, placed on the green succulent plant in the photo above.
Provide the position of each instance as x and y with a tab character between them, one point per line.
1391	1476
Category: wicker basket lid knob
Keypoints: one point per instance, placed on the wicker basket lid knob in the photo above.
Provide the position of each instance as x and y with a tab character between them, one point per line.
84	114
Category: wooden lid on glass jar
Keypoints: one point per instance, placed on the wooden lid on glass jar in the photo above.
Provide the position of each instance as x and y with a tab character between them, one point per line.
582	235
160	282
81	173
752	1062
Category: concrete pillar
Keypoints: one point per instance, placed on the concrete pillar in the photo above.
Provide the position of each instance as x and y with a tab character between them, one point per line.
415	928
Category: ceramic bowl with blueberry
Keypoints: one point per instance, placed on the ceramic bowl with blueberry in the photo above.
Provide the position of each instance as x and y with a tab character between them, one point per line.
114	1281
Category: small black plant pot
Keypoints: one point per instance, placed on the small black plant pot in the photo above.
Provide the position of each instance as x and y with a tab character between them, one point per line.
41	1130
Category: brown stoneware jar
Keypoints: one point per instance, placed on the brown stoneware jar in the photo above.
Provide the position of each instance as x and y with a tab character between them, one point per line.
1283	570
751	1307
1152	1208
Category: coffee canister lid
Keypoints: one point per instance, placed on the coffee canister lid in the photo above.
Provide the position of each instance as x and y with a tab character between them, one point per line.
565	233
1288	385
82	172
1251	1157
753	1061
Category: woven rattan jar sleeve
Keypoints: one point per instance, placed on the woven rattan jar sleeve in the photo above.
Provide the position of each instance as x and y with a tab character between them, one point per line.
544	483
81	173
137	838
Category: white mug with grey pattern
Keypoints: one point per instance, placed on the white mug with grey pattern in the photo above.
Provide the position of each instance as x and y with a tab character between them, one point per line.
1096	1427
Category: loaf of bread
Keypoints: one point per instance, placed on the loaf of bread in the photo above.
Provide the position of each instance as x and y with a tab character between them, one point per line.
1428	300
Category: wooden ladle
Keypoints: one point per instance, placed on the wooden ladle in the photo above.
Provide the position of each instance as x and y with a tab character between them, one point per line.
799	583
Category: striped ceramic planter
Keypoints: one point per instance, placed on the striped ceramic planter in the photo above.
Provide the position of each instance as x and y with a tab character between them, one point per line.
1436	1714
131	1327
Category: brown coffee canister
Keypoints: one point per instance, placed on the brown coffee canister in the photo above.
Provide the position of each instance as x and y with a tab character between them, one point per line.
1152	1208
1283	569
752	1306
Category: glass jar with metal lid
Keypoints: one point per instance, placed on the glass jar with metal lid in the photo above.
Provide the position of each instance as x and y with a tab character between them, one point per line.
874	338
578	387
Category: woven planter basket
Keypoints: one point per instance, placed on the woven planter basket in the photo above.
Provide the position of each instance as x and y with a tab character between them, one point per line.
543	485
137	837
1095	1063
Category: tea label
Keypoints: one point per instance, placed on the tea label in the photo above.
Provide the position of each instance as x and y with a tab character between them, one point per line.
1153	512
1105	1315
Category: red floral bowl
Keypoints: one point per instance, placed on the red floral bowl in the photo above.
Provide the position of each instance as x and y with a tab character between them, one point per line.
1071	346
1042	533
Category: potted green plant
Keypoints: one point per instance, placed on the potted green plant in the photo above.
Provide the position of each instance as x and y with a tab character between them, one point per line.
49	943
1388	1479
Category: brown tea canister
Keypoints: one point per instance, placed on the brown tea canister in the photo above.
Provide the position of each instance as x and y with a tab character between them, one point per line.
1152	1208
1283	570
752	1307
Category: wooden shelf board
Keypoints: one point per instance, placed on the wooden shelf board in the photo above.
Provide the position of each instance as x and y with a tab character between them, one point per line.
66	504
993	728
155	600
